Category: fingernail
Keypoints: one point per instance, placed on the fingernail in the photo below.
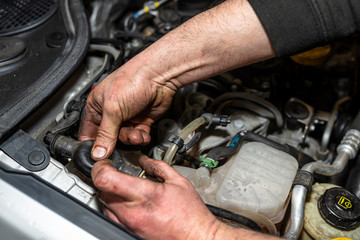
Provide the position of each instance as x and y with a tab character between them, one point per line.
99	152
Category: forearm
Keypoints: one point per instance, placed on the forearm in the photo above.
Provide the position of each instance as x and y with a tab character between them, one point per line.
227	232
225	37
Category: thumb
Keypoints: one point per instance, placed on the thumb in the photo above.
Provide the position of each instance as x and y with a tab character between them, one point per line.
106	137
159	169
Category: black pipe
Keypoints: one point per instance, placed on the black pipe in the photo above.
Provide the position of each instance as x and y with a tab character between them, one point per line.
225	214
356	122
106	40
62	127
353	181
223	152
80	153
82	158
63	147
84	163
252	98
118	61
284	148
301	157
218	153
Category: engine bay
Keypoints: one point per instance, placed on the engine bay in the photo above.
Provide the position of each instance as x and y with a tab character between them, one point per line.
269	142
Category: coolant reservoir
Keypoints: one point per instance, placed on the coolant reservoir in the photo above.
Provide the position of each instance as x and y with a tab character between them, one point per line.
257	179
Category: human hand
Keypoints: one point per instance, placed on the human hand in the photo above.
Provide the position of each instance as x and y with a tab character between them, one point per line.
123	106
168	209
128	101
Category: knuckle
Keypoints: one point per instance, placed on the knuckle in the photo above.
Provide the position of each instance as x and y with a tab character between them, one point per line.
102	178
184	182
110	108
105	135
161	165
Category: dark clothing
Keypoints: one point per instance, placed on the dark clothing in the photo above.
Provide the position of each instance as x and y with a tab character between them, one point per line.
297	25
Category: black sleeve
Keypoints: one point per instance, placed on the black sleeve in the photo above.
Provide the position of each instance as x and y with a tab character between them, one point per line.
297	25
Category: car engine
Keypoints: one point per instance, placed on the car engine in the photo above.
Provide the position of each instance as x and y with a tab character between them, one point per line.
272	146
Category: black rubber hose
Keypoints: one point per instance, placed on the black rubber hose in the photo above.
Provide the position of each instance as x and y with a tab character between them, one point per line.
252	98
119	60
82	158
114	42
63	126
225	214
353	181
356	122
223	152
84	163
284	148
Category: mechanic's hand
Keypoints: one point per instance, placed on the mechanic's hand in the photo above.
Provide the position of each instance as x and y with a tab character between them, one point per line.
123	106
126	103
168	209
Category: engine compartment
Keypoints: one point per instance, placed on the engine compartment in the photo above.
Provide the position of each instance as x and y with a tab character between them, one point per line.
243	138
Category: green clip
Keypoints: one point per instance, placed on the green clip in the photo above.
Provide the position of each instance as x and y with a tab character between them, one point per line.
209	162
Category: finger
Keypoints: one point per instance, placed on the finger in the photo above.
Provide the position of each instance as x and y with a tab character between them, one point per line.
110	214
107	134
108	179
89	124
129	135
107	212
158	168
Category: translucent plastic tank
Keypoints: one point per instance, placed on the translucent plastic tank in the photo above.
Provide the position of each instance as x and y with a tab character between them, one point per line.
257	179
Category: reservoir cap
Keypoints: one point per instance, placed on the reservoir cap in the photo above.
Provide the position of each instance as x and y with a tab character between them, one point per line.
340	208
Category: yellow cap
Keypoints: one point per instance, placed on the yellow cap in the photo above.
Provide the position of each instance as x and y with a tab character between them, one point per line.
313	57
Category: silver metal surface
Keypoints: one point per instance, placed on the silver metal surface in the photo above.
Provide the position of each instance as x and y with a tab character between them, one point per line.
22	217
297	212
95	67
327	169
59	176
350	143
55	107
346	151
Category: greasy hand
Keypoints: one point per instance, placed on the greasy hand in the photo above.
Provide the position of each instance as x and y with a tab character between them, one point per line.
169	209
123	106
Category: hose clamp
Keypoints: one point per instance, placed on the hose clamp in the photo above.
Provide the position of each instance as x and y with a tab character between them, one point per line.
178	141
208	163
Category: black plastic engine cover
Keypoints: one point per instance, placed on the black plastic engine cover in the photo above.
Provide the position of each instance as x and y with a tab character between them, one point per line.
41	44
